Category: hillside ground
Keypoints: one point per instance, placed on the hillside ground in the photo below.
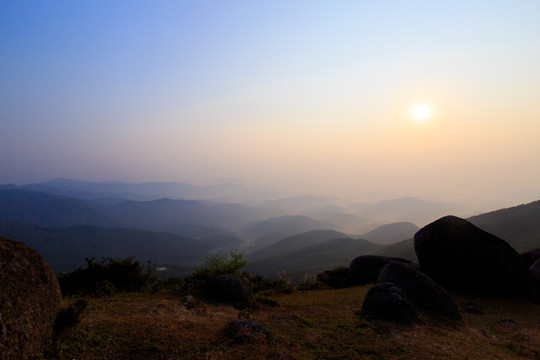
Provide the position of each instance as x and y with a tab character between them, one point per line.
321	324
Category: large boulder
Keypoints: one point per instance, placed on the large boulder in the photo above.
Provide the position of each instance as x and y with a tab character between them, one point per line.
386	301
535	271
423	292
459	255
529	257
29	300
232	288
365	269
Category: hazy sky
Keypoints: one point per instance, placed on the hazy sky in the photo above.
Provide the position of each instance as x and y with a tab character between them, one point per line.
310	95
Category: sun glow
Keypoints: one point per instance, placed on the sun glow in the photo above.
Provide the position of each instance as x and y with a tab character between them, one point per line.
421	112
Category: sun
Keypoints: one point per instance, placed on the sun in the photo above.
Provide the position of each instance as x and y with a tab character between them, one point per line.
421	112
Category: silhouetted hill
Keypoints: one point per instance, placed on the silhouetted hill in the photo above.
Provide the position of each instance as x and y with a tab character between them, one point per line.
26	206
222	243
282	225
519	225
295	242
298	204
313	259
144	191
391	233
409	209
403	249
186	217
65	248
167	214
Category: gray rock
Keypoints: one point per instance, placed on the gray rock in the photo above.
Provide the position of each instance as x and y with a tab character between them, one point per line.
365	269
459	255
29	301
386	301
232	288
423	292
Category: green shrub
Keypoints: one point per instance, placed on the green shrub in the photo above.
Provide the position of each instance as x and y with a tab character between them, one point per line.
107	277
220	265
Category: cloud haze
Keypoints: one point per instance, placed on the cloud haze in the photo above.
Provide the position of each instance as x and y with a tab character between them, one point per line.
308	96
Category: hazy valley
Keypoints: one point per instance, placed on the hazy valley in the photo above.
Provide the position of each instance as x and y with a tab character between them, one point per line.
177	226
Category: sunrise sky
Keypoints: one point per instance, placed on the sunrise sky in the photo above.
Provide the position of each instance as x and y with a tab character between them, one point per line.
311	96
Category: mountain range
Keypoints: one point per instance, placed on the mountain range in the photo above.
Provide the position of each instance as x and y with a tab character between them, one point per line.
69	221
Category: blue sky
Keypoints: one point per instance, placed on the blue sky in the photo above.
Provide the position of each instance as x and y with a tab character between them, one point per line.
308	95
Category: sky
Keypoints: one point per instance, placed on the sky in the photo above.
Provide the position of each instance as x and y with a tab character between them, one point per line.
310	96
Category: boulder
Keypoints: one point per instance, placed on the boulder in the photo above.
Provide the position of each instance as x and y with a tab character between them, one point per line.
423	292
232	288
535	271
365	269
529	257
386	301
29	301
459	255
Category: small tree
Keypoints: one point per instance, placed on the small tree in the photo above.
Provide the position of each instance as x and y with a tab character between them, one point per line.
219	265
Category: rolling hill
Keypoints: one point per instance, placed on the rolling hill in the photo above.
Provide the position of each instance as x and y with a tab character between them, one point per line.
519	225
391	233
313	259
295	242
65	248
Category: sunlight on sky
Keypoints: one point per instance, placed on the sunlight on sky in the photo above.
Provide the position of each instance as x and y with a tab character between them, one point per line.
314	96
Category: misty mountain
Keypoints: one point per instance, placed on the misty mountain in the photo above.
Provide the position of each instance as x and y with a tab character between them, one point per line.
281	227
144	191
25	206
391	233
185	217
222	243
313	259
403	249
295	242
65	248
340	218
411	210
298	205
169	215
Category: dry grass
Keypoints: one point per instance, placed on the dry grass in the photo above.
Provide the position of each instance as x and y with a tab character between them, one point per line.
306	325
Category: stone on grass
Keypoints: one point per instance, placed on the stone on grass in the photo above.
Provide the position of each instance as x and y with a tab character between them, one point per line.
29	301
365	269
232	288
424	293
461	256
386	301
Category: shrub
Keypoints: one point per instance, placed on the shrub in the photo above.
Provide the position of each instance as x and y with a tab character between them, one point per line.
220	265
337	278
107	276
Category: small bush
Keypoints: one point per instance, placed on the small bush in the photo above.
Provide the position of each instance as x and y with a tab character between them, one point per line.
265	286
337	278
220	265
310	283
107	277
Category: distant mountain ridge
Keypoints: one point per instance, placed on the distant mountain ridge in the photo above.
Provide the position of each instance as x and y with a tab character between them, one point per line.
391	233
65	248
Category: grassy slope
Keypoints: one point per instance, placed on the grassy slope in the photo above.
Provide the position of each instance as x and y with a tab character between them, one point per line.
306	325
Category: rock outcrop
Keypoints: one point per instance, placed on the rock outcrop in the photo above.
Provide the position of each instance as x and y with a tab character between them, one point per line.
29	301
458	255
387	301
529	257
423	292
232	288
365	269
